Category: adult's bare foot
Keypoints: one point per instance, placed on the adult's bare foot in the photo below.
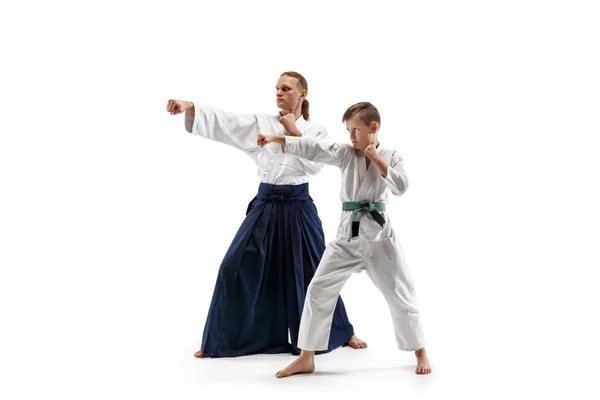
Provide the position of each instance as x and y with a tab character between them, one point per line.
200	354
356	343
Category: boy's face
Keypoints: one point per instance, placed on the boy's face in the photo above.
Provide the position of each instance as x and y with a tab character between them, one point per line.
361	134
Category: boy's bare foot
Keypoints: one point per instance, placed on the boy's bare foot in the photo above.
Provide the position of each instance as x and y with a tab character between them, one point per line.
305	364
423	366
356	343
200	354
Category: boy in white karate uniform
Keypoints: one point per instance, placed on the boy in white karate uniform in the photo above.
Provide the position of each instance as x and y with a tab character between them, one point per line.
365	239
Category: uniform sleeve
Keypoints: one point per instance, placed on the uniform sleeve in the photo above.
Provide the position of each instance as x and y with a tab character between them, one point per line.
335	154
396	178
313	167
232	129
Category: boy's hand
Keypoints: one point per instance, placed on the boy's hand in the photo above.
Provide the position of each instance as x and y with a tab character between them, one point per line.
371	152
262	140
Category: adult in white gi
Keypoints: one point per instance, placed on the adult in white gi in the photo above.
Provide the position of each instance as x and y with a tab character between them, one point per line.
262	280
365	239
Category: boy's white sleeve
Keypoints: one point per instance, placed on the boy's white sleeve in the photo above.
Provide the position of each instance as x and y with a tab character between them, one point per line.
396	178
335	154
313	167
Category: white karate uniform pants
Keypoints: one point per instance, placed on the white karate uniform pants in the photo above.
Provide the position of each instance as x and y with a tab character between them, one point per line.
384	263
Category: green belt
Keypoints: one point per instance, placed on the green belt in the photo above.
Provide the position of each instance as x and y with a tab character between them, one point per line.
364	206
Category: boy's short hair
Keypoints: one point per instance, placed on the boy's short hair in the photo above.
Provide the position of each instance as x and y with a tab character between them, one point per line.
366	111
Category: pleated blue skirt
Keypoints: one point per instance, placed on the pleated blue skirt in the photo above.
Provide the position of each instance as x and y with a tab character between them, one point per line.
262	281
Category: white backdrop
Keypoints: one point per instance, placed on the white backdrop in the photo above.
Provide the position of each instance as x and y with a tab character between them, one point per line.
113	220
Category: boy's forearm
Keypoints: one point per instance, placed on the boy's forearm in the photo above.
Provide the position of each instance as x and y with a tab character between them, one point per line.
381	166
192	109
279	139
312	150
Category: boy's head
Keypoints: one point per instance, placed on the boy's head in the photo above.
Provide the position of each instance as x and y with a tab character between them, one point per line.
362	121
